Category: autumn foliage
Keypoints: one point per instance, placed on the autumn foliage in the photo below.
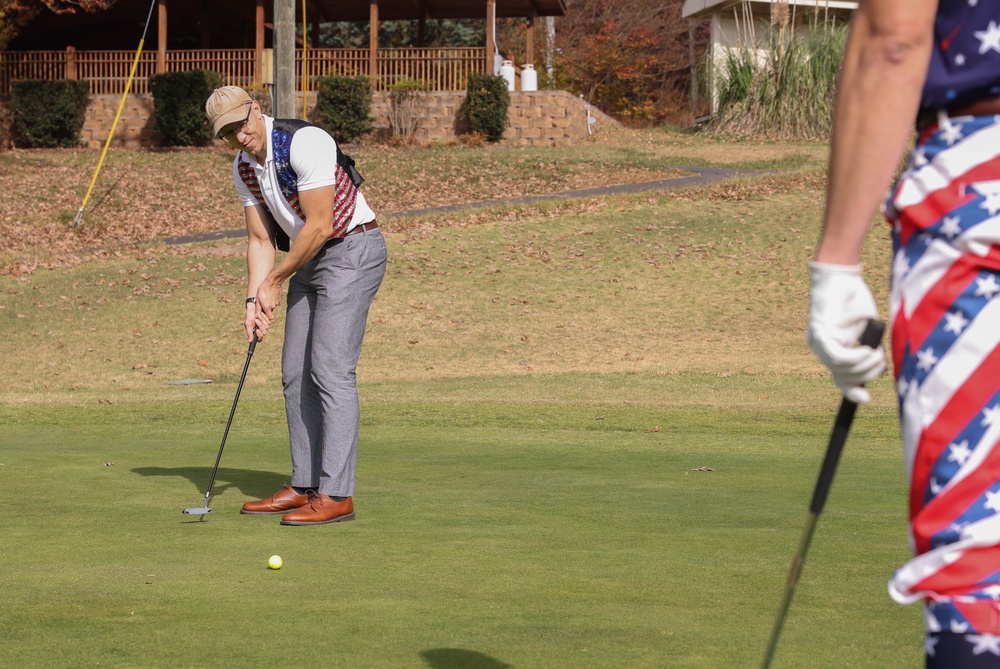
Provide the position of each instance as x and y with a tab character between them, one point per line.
15	14
631	58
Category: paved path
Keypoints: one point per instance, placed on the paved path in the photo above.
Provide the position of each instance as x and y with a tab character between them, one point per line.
701	177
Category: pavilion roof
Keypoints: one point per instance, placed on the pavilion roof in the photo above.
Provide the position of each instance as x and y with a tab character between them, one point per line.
231	21
391	10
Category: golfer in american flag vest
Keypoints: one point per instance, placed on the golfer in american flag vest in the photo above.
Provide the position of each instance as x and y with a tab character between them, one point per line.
300	194
937	62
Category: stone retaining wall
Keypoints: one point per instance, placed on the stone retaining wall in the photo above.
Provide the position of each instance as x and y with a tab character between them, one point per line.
135	125
549	118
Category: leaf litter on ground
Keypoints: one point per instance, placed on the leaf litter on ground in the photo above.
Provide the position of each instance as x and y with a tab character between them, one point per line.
144	196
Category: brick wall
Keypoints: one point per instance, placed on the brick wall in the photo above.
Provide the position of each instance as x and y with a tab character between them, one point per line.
538	117
548	118
135	125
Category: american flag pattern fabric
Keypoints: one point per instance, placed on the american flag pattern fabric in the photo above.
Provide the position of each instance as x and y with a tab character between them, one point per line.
945	314
965	61
947	650
345	196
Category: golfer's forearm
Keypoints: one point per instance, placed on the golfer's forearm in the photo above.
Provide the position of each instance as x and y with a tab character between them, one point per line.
260	262
310	240
878	96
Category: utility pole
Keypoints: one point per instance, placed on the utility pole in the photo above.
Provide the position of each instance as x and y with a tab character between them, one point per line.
284	58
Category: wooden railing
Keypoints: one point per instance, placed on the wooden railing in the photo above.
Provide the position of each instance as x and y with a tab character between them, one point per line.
237	66
448	69
440	69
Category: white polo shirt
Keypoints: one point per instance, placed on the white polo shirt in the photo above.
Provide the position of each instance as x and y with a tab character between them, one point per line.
313	156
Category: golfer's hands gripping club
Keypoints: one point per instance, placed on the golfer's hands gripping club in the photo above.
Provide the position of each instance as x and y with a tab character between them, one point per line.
840	306
260	312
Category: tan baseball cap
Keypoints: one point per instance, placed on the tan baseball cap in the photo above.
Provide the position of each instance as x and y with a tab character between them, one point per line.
226	105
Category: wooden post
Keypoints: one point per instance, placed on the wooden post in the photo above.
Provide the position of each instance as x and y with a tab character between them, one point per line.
258	56
491	37
530	47
422	30
284	58
71	63
373	43
161	37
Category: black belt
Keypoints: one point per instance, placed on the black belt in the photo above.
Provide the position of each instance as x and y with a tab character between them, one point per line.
984	107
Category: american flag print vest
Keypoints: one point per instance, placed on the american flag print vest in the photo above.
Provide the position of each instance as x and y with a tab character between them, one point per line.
347	179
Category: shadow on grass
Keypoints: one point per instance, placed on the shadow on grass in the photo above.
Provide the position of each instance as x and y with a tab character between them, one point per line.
457	658
251	482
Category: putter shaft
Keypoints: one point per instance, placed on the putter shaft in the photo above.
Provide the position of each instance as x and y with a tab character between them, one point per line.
215	470
838	437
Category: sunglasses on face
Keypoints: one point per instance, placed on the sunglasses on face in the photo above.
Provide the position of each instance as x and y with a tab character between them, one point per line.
239	128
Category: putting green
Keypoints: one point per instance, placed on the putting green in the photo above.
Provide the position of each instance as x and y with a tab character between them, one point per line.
487	536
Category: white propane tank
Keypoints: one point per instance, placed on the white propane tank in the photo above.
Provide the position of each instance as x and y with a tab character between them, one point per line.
507	72
529	78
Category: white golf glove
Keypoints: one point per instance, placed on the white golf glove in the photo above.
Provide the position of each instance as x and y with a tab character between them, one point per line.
840	306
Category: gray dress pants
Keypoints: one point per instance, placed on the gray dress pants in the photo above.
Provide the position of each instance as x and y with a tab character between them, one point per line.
328	301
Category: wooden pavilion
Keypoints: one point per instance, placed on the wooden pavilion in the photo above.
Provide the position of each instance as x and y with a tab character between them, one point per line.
233	37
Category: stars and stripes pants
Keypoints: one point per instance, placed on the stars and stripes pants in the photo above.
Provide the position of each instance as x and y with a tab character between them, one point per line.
945	314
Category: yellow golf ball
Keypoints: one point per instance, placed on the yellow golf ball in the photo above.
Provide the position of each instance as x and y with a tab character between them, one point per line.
274	562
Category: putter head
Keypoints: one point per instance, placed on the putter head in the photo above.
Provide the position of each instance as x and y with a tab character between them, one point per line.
197	511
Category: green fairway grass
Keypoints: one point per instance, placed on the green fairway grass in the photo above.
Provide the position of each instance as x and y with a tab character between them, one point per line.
535	538
590	430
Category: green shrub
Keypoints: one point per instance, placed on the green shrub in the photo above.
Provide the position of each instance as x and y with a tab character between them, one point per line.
486	103
179	106
343	107
48	114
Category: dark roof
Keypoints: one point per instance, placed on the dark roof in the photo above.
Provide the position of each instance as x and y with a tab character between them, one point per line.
390	10
231	23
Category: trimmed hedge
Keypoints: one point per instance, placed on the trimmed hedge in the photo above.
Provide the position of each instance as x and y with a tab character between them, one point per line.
179	106
486	103
343	107
48	114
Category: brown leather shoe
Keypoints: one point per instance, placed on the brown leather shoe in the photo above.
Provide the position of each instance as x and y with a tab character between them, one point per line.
319	511
282	501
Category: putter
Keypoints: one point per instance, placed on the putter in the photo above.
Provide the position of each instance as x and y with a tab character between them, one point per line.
871	337
202	510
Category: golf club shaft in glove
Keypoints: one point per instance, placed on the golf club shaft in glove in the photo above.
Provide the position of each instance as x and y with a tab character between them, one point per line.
840	305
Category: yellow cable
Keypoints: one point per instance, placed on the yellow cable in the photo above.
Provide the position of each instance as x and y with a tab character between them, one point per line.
121	105
107	142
